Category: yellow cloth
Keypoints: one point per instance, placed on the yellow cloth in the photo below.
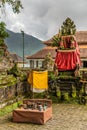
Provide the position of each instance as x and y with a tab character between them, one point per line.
30	78
38	79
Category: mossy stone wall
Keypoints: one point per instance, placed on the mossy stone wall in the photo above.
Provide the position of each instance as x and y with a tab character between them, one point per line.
10	94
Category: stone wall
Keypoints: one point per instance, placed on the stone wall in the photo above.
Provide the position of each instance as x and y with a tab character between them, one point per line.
10	94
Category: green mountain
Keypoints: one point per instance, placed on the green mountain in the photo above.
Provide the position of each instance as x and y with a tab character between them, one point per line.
15	43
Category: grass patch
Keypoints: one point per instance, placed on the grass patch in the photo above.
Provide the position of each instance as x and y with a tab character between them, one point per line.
8	109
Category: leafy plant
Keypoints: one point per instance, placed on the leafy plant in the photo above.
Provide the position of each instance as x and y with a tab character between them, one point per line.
15	4
68	27
14	70
48	62
56	41
3	33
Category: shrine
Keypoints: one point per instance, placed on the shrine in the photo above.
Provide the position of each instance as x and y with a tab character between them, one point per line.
68	55
67	62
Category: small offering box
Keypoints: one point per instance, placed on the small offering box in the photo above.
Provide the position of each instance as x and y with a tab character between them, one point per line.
37	111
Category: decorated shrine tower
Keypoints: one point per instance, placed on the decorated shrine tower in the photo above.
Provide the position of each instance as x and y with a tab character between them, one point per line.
68	55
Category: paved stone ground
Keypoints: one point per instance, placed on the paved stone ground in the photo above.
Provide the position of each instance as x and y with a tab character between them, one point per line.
65	117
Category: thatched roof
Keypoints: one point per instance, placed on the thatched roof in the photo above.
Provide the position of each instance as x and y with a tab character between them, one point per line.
81	37
16	58
83	51
42	53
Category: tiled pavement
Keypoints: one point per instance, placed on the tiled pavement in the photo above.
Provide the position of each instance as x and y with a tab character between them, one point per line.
65	117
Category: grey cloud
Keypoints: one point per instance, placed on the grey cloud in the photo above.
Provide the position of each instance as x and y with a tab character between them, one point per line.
43	18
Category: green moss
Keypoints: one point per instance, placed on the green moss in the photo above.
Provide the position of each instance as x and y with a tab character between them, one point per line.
40	95
74	94
8	109
8	80
58	94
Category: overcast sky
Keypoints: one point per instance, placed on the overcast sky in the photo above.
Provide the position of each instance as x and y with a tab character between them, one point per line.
43	18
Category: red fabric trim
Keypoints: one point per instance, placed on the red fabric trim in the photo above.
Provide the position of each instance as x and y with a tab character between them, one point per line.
68	60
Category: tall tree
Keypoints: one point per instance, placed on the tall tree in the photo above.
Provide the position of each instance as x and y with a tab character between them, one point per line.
15	4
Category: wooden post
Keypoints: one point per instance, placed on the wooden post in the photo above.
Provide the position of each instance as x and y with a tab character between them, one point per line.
32	86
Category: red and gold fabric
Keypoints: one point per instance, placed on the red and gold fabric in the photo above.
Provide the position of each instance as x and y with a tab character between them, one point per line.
68	59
